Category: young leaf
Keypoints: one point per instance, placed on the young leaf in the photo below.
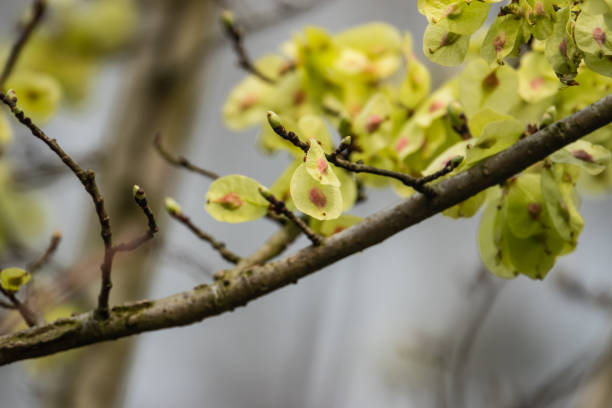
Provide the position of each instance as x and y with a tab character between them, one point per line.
12	279
235	198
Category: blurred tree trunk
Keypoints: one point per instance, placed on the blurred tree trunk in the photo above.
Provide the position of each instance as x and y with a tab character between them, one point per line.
159	93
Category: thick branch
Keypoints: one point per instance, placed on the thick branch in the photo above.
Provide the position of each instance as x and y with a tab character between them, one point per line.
227	294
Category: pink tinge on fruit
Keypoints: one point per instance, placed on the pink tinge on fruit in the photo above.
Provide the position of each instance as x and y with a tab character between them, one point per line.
583	155
399	146
322	165
231	201
499	42
537	83
247	101
539	9
338	229
563	47
435	105
600	36
317	197
373	123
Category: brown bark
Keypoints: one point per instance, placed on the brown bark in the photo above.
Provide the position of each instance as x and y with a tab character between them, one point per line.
238	287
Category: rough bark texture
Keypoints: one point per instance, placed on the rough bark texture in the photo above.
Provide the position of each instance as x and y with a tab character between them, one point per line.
233	289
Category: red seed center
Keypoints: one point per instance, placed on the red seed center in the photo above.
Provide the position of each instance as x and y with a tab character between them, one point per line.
317	197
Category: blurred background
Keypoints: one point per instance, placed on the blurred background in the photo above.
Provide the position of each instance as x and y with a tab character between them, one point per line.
413	322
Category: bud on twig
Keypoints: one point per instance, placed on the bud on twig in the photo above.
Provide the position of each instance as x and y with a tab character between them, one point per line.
228	19
274	120
172	206
138	192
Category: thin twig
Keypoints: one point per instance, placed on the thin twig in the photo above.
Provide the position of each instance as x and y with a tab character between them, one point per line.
279	207
419	184
576	290
88	180
37	13
141	200
225	253
31	318
6	305
235	35
44	258
180	161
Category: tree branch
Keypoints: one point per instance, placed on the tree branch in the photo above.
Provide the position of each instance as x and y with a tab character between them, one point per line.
180	161
175	212
142	202
250	283
37	12
88	180
234	33
279	207
44	258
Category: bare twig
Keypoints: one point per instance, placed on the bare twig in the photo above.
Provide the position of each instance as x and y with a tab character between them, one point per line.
37	13
279	207
6	305
180	161
44	258
31	318
234	33
176	213
88	180
141	200
575	290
